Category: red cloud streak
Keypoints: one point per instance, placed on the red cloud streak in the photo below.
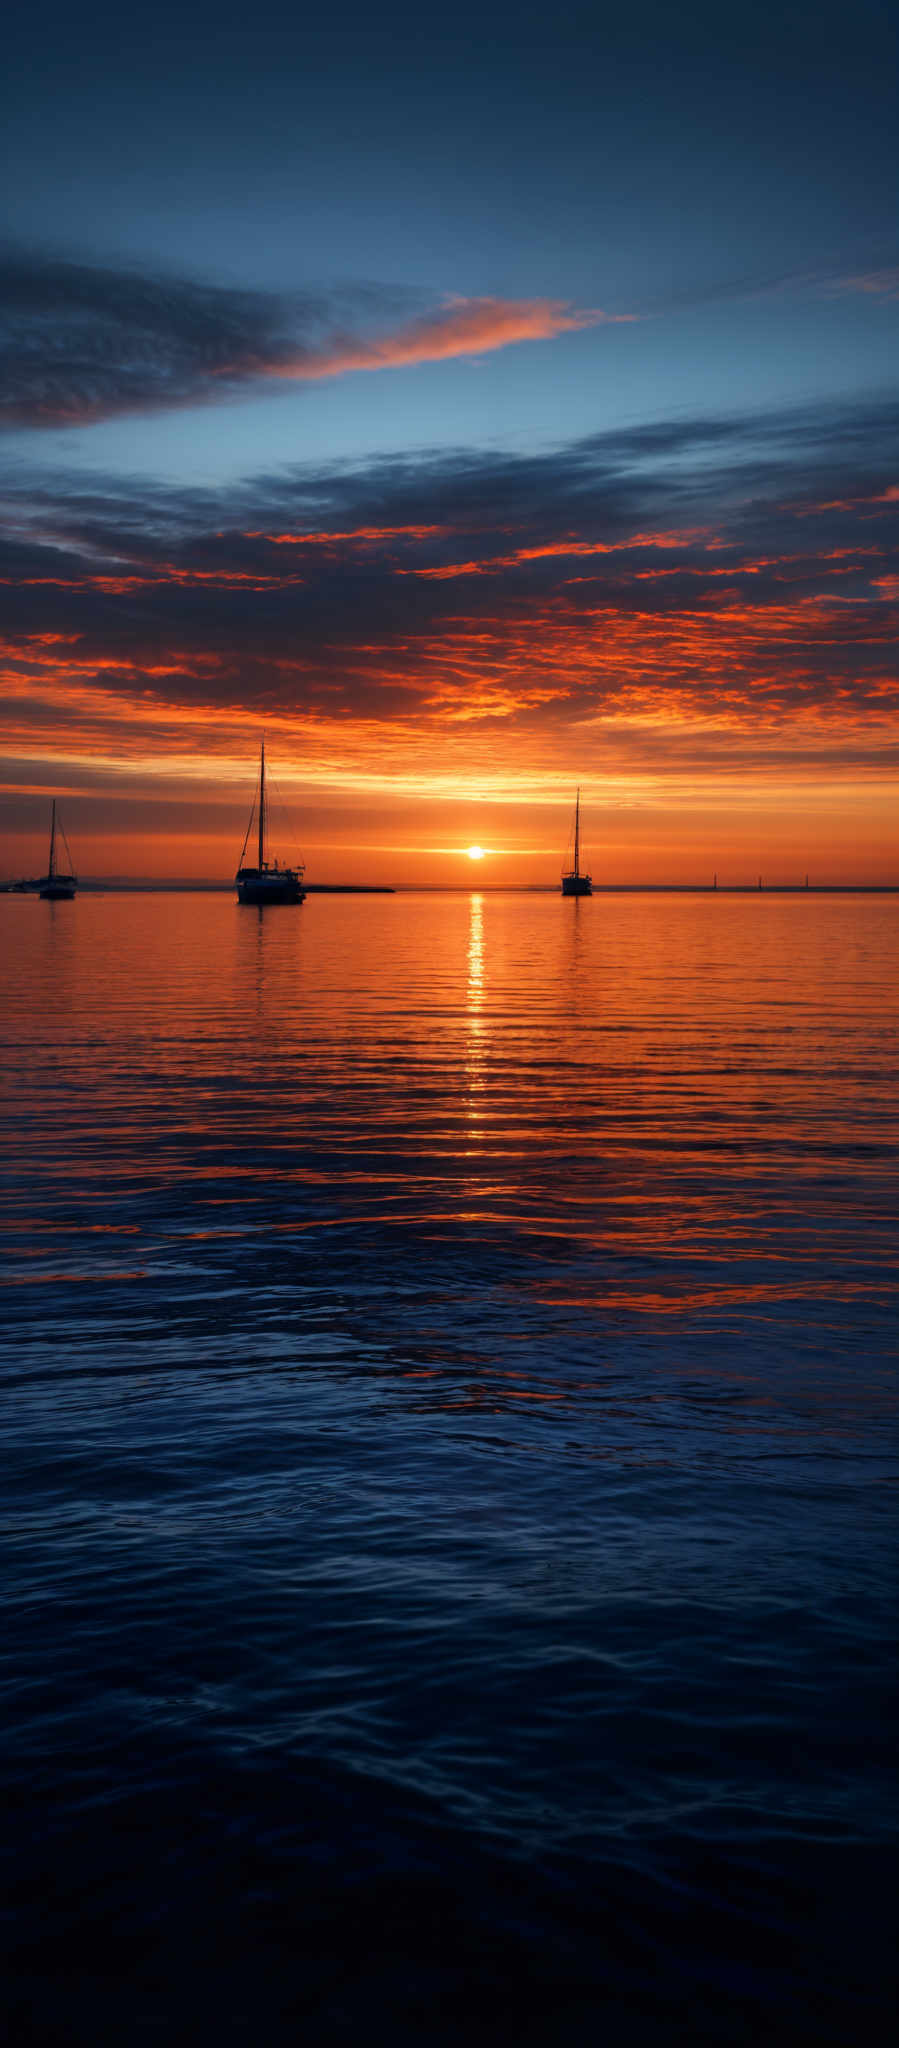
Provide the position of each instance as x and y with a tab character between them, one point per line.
463	327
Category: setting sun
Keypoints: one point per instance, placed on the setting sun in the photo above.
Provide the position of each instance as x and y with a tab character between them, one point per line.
475	853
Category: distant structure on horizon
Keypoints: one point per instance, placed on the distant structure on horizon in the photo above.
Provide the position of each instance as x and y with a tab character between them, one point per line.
574	883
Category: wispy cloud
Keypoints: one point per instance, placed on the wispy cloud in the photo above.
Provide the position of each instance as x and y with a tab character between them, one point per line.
463	327
877	284
880	281
79	344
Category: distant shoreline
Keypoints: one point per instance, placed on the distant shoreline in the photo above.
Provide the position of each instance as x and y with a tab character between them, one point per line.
126	888
137	888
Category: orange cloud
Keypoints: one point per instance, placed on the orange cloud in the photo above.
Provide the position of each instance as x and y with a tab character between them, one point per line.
463	327
360	534
868	505
563	547
707	661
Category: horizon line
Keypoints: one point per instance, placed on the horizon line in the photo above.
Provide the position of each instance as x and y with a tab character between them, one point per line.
137	884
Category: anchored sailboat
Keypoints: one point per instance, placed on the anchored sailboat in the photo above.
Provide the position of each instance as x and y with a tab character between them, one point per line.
58	885
268	881
574	883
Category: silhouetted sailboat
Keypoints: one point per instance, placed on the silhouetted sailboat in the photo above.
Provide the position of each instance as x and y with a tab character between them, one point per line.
267	882
58	886
574	883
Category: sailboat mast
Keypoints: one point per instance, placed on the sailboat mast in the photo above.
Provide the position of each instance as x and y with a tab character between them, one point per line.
577	832
262	805
52	867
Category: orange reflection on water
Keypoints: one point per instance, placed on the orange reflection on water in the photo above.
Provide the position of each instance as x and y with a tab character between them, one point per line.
475	992
689	1300
475	1052
653	1106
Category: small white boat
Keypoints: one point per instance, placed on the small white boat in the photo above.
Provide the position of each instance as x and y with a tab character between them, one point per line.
268	881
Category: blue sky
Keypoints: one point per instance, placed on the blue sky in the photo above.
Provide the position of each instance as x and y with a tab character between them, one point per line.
720	178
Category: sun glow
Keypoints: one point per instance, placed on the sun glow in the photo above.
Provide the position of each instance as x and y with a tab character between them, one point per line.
475	852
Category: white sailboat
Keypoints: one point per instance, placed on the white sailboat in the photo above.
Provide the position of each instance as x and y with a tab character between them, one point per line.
268	881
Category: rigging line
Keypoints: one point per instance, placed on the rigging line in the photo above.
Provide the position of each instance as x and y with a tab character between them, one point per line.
248	830
246	836
62	830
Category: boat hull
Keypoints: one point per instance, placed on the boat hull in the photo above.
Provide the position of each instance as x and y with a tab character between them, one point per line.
282	886
577	885
58	892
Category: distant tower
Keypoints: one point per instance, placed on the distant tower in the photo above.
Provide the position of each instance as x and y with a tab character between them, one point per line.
715	882
760	881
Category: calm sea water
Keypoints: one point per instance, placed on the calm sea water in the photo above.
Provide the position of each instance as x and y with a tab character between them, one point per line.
450	1400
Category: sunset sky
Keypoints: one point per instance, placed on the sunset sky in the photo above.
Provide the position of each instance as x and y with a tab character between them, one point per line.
480	406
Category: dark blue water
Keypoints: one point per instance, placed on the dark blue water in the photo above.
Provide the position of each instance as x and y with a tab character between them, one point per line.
450	1396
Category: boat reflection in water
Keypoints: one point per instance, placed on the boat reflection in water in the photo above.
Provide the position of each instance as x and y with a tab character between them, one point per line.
574	883
268	881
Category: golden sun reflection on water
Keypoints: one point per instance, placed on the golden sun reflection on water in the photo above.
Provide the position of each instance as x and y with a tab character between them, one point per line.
474	1065
475	959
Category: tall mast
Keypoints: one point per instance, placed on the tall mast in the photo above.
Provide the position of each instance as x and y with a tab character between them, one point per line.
262	804
577	831
52	867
